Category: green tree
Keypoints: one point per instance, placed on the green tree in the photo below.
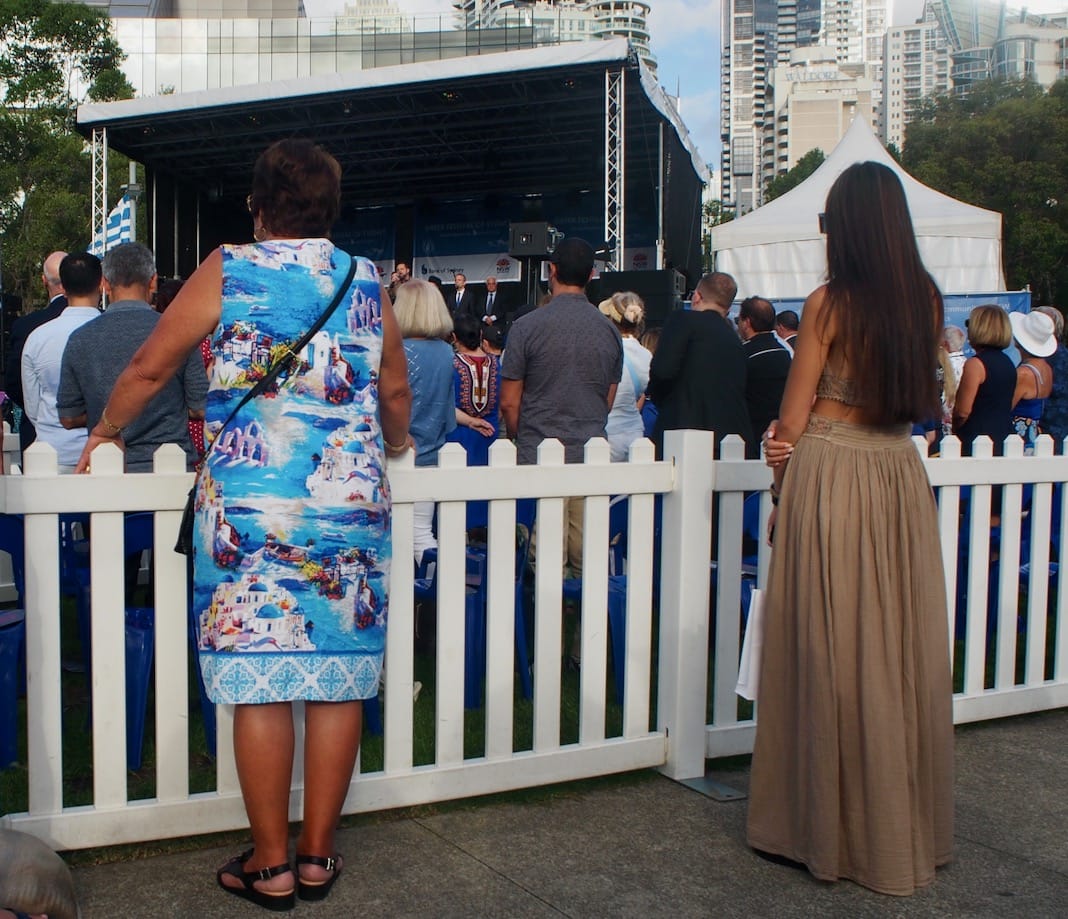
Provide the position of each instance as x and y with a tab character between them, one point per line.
1004	147
780	185
52	56
713	213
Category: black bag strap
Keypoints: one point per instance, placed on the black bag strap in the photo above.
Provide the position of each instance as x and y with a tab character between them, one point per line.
284	361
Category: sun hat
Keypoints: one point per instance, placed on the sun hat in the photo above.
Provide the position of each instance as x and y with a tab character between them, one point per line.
1034	332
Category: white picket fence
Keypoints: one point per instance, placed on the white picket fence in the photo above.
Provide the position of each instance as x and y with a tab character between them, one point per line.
675	737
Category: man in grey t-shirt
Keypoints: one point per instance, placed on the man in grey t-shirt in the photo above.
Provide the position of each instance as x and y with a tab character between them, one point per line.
100	350
561	368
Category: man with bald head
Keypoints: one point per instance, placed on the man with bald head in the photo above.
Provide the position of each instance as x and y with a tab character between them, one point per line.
698	375
20	331
43	355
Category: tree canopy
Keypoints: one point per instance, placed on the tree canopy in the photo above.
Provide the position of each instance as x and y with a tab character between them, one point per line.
805	166
52	56
1004	147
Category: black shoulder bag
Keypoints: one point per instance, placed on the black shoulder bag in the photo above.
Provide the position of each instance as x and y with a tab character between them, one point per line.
184	543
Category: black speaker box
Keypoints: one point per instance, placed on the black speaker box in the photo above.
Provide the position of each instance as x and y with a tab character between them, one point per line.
658	290
528	239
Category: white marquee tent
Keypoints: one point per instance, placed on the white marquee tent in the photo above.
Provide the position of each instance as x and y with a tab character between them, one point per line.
778	252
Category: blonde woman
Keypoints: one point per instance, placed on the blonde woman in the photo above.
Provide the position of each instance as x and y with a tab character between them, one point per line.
624	424
426	326
984	396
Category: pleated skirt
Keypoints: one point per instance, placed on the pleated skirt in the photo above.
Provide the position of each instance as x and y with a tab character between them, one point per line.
853	765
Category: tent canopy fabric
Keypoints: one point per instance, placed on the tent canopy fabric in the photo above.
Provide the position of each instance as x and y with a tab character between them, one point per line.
778	251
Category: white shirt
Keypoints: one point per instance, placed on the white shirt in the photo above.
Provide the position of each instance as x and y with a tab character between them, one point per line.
41	360
624	423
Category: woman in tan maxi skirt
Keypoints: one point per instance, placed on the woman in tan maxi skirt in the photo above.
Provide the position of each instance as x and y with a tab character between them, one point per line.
853	765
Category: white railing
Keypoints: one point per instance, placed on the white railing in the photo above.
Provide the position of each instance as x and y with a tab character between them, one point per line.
674	733
1007	627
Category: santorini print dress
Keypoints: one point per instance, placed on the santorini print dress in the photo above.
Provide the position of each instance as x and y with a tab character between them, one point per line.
291	562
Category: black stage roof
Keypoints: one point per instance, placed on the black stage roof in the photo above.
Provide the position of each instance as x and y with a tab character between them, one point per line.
525	122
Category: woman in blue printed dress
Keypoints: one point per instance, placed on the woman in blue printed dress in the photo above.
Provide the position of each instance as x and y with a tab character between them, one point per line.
292	553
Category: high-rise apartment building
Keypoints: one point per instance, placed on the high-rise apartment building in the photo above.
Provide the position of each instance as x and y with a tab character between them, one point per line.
759	36
571	19
915	65
813	101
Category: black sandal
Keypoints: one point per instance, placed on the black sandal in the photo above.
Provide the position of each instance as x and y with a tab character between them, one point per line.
235	868
317	890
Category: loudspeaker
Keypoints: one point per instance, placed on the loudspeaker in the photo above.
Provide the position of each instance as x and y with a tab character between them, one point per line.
658	290
528	239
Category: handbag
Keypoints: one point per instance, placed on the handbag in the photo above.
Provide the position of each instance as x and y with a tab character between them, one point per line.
752	648
184	543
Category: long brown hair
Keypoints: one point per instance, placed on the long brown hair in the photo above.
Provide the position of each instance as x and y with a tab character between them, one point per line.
887	309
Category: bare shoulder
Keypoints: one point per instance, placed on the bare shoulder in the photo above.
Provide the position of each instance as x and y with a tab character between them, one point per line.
816	317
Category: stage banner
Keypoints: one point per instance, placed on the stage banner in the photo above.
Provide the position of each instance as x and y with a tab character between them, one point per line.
476	267
369	232
639	258
583	215
472	236
463	237
957	308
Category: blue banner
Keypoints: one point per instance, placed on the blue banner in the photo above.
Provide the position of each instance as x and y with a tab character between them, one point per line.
369	232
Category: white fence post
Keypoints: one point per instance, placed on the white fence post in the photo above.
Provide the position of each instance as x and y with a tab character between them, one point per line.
684	551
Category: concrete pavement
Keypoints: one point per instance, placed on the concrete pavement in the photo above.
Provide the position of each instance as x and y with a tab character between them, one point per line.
640	845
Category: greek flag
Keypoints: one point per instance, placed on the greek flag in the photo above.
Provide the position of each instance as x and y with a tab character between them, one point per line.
116	230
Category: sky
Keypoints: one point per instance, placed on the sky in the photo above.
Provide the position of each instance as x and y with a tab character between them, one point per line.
684	36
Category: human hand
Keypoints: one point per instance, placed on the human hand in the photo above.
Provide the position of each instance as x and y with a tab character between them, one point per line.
94	440
776	452
482	426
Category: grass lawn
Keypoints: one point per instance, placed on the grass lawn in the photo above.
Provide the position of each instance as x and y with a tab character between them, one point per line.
77	733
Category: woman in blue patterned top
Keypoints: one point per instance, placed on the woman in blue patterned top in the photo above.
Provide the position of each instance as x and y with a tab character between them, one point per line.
291	563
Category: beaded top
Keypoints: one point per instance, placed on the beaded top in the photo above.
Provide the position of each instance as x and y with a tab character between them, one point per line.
837	389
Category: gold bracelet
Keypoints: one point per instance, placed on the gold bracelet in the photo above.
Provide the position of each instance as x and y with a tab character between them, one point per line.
113	428
396	448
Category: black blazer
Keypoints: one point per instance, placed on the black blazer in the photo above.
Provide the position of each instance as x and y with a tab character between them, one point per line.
467	301
503	302
697	378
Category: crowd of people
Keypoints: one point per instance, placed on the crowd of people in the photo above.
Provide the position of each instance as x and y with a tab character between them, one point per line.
852	771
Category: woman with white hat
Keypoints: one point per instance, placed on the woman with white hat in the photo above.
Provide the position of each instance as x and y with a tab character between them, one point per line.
1036	338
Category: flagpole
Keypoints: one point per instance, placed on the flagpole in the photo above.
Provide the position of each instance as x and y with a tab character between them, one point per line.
133	192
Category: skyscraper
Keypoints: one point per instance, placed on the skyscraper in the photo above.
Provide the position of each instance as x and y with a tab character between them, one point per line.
915	65
571	19
757	36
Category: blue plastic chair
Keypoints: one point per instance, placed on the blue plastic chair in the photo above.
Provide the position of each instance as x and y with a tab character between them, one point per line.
207	707
525	510
140	653
139	623
426	588
618	516
12	642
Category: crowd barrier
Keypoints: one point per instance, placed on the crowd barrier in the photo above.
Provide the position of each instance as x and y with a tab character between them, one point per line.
677	707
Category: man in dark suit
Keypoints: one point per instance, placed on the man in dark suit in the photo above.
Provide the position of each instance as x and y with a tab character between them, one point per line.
697	378
20	331
786	324
495	305
462	299
767	366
